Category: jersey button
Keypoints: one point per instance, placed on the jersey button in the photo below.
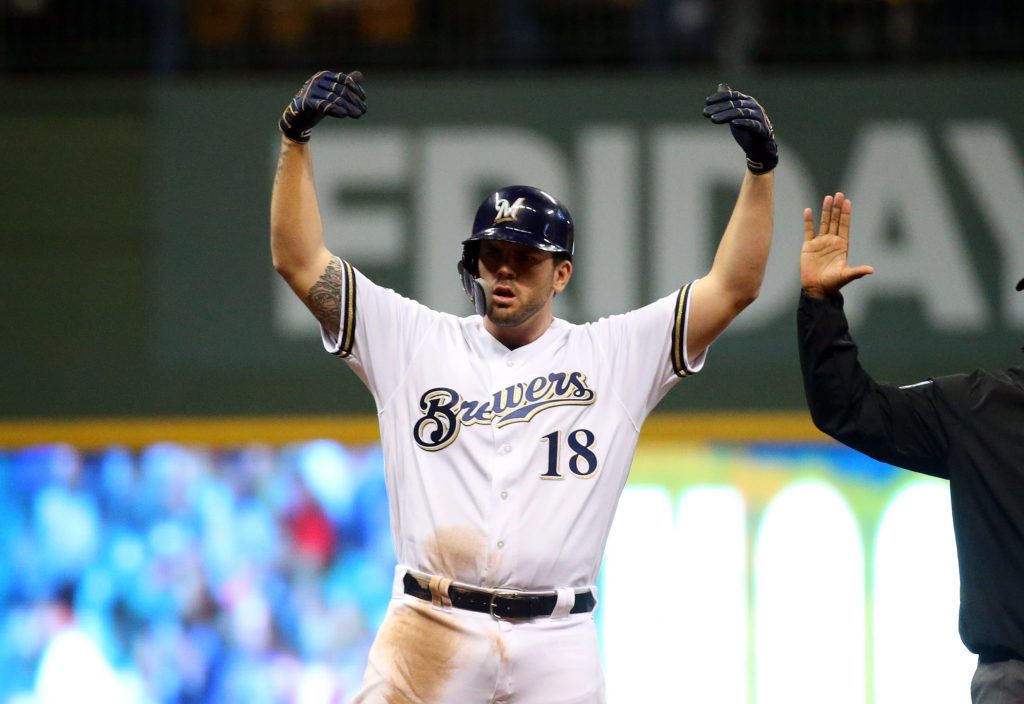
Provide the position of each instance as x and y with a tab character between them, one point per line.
504	495
509	363
501	544
505	449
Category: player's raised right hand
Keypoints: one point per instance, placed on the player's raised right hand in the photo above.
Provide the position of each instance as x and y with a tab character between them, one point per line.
325	93
824	267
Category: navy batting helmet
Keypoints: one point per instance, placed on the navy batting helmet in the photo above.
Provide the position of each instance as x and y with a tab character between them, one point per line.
519	214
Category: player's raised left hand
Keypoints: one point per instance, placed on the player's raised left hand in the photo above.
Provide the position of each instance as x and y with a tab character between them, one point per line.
325	93
749	123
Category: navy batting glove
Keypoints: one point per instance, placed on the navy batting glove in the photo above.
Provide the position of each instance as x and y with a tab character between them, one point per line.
749	124
325	93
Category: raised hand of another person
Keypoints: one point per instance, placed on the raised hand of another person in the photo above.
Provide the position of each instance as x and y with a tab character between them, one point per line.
824	267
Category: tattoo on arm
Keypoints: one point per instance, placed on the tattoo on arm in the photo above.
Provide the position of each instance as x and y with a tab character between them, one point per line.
325	297
280	164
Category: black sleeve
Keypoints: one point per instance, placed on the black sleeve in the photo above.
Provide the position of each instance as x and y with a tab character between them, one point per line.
898	426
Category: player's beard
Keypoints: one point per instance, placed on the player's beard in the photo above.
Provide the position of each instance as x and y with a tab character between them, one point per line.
517	314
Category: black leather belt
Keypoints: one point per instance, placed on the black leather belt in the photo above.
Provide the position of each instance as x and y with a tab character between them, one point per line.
501	603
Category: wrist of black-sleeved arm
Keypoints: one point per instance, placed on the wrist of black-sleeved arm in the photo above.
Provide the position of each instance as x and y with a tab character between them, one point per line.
827	310
834	381
821	322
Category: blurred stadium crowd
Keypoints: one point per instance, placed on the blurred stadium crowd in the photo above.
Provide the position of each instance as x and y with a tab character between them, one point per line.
179	574
204	35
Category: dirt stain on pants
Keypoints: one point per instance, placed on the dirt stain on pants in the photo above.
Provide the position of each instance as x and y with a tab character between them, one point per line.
417	649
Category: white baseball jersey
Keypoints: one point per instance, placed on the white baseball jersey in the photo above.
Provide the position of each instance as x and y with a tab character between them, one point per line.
504	467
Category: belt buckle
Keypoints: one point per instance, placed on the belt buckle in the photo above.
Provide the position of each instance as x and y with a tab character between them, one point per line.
508	594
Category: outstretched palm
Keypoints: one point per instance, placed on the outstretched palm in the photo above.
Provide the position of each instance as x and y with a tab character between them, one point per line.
823	258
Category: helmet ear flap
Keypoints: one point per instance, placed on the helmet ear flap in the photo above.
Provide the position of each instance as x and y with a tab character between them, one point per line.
470	258
474	291
468	274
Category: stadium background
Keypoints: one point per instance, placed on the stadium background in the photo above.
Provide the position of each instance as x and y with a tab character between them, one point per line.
192	506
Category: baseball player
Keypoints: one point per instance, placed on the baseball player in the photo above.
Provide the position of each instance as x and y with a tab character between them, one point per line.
507	434
967	428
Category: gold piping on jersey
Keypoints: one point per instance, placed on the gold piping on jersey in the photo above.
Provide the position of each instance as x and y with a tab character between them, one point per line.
679	365
347	333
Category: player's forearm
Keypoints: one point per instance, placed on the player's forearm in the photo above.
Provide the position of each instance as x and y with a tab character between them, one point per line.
742	254
296	232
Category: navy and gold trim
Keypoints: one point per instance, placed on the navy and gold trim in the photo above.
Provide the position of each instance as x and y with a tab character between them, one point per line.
678	351
347	331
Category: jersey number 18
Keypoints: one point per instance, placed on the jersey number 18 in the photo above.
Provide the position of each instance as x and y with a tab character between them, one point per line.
582	463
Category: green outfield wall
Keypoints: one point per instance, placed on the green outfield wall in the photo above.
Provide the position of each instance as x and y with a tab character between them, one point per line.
134	249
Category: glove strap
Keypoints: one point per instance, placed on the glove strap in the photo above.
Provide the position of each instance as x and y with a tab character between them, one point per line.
770	159
290	130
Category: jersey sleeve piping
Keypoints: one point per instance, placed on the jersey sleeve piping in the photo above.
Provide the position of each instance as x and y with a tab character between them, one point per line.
348	318
680	364
342	346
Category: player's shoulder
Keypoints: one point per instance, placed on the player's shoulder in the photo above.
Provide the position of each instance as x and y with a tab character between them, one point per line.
662	311
459	325
366	288
561	329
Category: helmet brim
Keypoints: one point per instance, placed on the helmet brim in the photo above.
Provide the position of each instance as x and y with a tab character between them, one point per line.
516	236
